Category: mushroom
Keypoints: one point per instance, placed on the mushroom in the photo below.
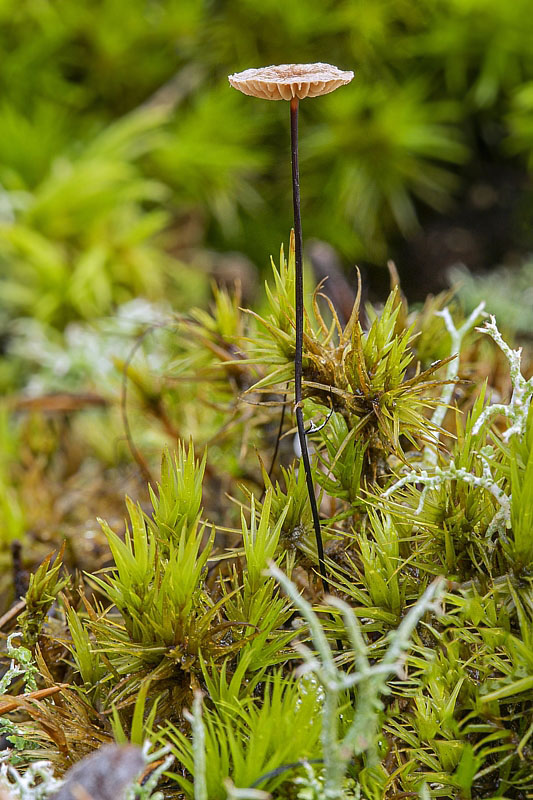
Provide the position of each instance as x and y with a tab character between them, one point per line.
295	82
288	81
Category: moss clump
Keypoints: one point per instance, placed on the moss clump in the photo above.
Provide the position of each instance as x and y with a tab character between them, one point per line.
189	612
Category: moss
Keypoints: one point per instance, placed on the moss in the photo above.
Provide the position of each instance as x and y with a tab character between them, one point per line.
186	606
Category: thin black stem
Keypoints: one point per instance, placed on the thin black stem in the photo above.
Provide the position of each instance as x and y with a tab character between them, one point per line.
298	356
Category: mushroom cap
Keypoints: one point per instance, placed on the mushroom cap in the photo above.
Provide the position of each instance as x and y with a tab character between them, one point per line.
285	81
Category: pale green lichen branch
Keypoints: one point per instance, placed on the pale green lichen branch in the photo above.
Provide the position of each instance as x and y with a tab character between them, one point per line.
198	743
326	671
441	475
517	409
400	639
14	671
341	681
313	787
360	736
37	782
22	663
457	335
200	764
451	472
318	635
235	793
145	791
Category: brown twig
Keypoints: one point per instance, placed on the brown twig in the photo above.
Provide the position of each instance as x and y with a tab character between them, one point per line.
14	611
8	703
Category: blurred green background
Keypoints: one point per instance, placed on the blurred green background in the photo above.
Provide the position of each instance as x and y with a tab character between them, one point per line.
129	167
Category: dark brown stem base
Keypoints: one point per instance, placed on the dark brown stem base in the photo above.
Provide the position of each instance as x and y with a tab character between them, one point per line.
298	356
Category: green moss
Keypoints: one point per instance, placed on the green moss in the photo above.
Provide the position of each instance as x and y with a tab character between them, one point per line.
421	694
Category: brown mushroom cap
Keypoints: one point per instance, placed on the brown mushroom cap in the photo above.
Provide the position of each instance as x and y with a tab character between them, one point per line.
285	81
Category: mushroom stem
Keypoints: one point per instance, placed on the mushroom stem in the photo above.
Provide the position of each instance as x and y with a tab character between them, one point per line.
298	356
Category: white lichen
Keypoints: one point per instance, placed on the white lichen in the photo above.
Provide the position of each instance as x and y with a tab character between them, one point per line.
457	336
372	678
36	783
517	409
